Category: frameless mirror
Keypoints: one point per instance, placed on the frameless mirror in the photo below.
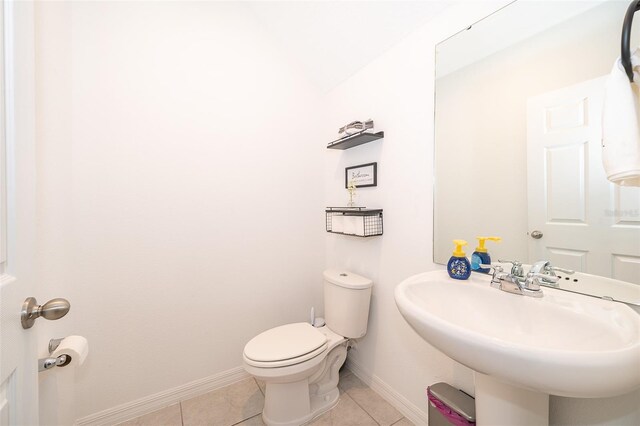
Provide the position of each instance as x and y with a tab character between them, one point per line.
517	139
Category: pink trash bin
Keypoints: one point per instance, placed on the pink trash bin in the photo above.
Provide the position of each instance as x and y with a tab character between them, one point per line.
450	406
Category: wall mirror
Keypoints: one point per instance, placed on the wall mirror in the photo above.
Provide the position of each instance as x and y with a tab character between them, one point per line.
517	139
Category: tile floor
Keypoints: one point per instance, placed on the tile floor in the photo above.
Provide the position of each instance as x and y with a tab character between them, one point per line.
241	404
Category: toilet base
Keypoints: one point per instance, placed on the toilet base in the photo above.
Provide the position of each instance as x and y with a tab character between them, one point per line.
296	403
298	411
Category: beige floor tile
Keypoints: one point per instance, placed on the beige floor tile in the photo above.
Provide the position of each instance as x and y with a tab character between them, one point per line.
169	416
383	412
224	407
262	385
403	422
253	421
348	381
346	413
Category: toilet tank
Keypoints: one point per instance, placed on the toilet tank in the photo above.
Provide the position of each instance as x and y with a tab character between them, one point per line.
346	302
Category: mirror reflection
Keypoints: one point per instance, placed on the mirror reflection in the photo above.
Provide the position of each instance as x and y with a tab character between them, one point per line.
518	140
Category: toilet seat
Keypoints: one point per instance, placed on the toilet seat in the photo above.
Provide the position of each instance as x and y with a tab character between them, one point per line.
285	345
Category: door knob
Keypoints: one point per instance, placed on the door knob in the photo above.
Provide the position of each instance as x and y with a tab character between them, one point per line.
52	310
536	235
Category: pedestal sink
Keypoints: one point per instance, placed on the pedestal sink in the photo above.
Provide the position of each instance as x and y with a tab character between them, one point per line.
523	349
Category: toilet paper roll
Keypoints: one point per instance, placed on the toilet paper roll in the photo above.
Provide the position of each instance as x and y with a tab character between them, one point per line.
76	347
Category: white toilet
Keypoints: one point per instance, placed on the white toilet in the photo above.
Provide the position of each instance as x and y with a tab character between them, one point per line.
299	363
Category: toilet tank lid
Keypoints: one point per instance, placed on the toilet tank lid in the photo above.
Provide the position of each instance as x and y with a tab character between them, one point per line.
346	279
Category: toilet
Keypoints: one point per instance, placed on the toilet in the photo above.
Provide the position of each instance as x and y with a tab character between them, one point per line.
299	363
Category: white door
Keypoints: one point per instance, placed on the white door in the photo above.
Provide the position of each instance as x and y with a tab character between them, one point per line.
587	223
18	360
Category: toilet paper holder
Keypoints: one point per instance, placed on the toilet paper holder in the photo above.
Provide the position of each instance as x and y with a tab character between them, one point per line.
50	362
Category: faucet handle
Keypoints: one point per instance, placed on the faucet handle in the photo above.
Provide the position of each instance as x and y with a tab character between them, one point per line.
545	267
516	268
556	269
534	279
544	277
497	269
488	265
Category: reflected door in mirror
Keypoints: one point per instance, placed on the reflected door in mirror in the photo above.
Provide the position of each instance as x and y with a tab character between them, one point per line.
570	200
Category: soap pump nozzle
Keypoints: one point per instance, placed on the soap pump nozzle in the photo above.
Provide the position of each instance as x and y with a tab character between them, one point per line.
458	252
481	240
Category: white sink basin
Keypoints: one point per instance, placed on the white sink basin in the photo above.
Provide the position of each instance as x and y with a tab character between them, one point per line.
561	344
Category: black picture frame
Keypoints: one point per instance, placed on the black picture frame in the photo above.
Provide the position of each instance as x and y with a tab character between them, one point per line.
368	173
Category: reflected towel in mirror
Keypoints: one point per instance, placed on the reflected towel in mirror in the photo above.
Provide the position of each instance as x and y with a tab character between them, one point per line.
621	125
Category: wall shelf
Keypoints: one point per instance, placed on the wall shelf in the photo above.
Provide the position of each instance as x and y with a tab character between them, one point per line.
355	140
355	221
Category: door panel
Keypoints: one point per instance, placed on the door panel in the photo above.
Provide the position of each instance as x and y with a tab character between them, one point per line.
626	206
588	223
569	258
8	400
625	268
566	186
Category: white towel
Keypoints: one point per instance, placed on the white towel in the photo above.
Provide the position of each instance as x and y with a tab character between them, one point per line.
621	125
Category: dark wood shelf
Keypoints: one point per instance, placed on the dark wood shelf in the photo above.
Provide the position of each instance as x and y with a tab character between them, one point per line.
353	211
355	140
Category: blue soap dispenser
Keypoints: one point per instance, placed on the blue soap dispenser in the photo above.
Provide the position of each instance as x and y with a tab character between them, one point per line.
459	266
481	255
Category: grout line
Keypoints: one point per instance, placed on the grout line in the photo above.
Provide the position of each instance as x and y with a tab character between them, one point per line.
258	385
246	419
403	418
365	410
181	415
362	408
356	402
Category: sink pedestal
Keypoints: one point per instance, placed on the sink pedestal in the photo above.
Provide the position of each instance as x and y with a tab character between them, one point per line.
498	403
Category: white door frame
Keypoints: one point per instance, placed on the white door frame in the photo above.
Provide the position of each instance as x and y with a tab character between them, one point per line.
18	346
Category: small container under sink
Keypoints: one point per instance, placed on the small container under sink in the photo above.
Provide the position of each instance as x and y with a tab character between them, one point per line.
450	406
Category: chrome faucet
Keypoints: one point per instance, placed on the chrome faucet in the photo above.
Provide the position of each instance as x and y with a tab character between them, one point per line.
528	285
516	267
548	272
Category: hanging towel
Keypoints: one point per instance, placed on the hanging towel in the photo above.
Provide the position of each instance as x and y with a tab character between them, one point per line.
621	125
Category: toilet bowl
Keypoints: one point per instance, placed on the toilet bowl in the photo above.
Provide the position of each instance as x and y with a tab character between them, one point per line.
303	383
300	363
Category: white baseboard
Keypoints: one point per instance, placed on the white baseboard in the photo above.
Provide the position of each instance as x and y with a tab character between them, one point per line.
190	390
163	399
402	404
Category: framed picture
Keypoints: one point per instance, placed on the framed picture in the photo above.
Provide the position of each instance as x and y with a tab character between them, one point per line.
363	175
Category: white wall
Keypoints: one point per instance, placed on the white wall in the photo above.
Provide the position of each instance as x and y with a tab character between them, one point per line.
180	193
481	126
397	91
180	211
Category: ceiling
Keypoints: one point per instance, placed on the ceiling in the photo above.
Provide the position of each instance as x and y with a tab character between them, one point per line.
332	40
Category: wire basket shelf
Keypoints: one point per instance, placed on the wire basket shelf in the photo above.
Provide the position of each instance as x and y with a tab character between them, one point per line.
355	221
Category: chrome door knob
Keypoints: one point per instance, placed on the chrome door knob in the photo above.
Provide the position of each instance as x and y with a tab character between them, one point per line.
536	235
52	310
